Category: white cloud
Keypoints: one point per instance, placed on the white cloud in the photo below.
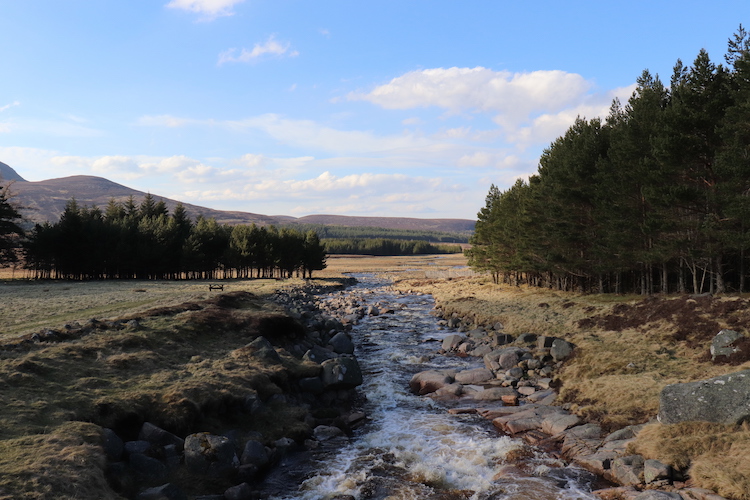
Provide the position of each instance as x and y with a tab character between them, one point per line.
466	89
164	121
269	47
210	8
8	106
529	108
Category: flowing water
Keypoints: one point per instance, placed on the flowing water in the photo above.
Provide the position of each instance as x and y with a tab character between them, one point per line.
411	448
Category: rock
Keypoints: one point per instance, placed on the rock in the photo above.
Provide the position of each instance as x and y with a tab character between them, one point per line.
503	359
724	399
164	492
450	390
318	354
526	390
628	470
255	453
210	455
263	349
557	423
526	338
327	432
499	339
544	342
653	470
240	492
341	373
599	463
147	469
313	385
495	393
113	445
137	447
561	349
628	432
721	345
342	343
475	376
429	381
480	351
159	437
451	342
172	456
476	333
617	493
658	495
372	311
545	397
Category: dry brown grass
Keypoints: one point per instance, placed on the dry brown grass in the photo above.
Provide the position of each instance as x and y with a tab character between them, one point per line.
716	456
185	368
628	349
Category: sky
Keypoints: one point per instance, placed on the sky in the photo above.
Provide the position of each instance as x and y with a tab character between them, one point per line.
407	108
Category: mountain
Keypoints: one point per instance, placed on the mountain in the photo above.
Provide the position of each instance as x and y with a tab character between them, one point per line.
45	200
8	174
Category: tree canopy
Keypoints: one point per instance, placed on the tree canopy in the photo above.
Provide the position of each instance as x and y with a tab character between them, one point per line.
654	198
11	232
146	242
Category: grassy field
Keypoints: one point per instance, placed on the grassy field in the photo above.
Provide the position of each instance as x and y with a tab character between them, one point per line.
629	348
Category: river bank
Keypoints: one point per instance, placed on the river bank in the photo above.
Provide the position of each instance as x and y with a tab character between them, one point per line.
627	350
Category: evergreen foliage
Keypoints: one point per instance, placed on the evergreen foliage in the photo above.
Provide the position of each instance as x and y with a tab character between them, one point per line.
656	198
146	242
383	247
10	231
366	232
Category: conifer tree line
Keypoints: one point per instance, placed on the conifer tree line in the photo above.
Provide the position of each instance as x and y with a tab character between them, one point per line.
653	199
385	246
147	242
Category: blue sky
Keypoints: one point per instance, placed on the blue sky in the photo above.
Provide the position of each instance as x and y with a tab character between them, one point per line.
383	108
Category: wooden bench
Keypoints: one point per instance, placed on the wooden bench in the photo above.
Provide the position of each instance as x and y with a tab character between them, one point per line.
216	287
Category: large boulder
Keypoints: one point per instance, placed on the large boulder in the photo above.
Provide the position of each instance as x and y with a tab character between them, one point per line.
721	345
724	399
474	376
429	381
503	359
341	373
210	455
159	437
342	343
561	349
451	342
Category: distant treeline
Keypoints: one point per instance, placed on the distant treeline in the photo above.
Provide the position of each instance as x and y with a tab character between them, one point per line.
146	242
656	198
364	232
382	247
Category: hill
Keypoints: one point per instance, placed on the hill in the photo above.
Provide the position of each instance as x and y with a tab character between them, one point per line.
45	200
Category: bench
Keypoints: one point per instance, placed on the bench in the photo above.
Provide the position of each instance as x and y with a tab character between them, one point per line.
216	287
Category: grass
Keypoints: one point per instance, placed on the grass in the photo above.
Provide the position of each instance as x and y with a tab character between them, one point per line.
628	349
186	366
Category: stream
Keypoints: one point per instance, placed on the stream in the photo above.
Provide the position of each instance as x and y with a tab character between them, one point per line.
411	447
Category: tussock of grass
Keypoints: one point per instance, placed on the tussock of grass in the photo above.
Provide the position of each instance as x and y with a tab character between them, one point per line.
65	463
716	456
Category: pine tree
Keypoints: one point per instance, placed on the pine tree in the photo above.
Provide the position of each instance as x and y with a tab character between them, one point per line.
10	230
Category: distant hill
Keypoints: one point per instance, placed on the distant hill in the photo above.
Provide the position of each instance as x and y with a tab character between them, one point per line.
8	174
45	200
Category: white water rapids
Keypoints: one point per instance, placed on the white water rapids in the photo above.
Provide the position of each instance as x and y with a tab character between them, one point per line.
411	448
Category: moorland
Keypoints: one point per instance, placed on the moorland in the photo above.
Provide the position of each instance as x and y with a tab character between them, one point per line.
58	395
